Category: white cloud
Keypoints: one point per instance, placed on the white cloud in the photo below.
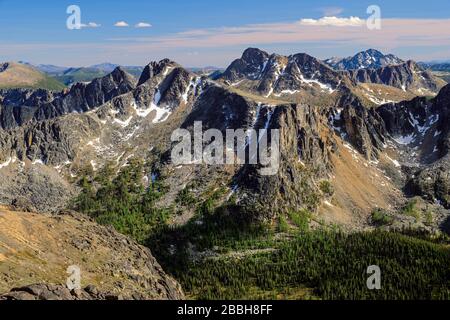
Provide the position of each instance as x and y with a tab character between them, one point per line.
121	24
411	38
143	25
334	21
91	25
395	33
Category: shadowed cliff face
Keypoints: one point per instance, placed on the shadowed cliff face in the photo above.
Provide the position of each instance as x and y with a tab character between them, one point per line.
426	123
305	146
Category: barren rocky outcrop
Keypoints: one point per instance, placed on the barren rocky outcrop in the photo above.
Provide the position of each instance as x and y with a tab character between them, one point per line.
37	249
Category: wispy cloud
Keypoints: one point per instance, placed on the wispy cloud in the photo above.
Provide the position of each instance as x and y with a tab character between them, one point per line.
352	31
334	21
143	25
121	24
410	38
91	25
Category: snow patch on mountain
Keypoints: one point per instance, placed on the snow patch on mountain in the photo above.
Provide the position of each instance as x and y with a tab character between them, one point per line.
323	86
123	123
405	140
6	163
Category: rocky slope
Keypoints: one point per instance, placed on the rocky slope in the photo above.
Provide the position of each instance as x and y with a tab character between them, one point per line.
36	250
421	127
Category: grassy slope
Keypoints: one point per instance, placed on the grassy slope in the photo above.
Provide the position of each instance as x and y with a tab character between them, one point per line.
50	84
80	75
23	76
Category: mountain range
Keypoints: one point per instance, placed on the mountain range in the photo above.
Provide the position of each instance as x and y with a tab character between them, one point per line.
358	136
38	126
70	76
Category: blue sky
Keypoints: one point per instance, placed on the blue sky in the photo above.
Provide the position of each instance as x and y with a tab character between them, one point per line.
200	32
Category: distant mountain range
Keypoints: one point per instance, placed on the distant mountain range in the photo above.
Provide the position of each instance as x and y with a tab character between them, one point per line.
436	66
69	76
369	59
278	74
440	69
374	59
55	77
301	75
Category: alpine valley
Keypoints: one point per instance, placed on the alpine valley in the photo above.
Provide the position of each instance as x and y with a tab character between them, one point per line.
364	179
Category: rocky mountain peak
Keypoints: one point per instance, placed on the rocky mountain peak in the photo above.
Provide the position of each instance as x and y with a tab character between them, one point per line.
300	94
308	62
120	75
368	59
255	55
280	75
413	65
44	105
100	90
250	65
155	68
373	52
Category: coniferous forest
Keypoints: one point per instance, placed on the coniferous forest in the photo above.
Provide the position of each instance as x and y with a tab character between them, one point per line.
225	257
